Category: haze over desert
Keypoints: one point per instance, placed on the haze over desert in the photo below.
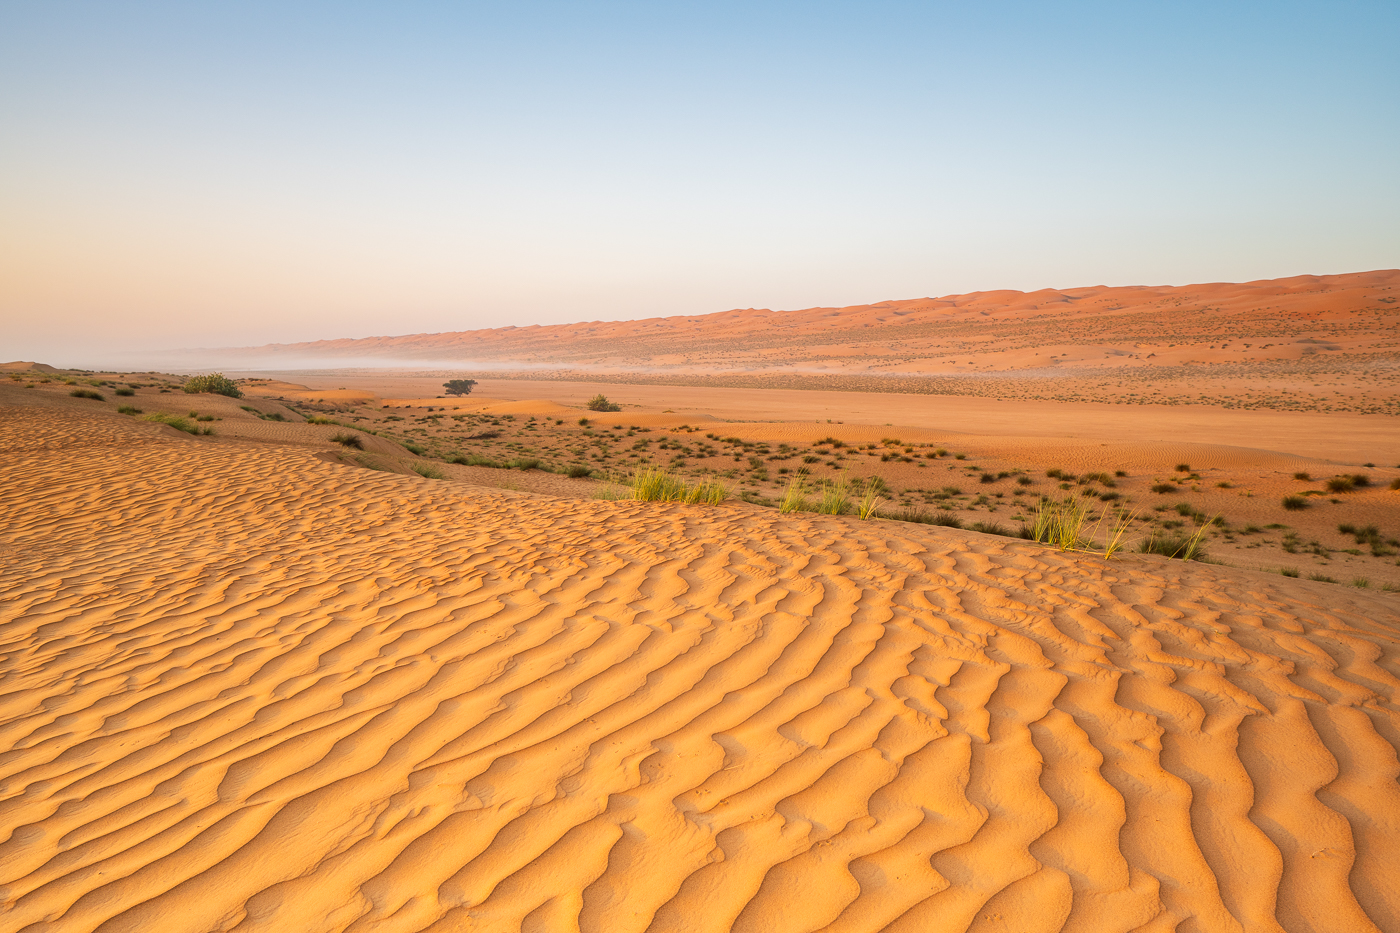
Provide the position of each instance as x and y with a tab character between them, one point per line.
476	467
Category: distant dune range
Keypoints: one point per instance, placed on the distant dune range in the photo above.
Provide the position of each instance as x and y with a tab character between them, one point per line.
1316	343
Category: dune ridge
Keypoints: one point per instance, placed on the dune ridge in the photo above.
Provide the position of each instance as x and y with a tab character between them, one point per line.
245	689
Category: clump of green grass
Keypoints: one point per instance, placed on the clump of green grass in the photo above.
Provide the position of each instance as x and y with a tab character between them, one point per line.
870	499
1361	583
578	471
1164	487
1321	578
795	496
216	383
993	528
346	439
1179	547
1295	503
88	393
1060	523
128	410
834	496
1289	571
475	460
524	463
415	449
178	422
429	471
124	391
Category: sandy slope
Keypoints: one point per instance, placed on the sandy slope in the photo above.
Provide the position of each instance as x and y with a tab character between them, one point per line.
246	689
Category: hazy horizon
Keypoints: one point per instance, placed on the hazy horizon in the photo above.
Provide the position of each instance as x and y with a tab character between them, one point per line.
210	177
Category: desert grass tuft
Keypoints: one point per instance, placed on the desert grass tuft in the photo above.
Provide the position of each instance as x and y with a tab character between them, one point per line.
1060	523
835	496
346	439
1178	547
178	422
88	393
1295	503
795	496
429	471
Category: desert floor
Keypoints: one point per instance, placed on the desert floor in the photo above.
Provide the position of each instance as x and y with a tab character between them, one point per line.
310	675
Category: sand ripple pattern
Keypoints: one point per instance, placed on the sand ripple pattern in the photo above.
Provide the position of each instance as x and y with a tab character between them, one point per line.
242	689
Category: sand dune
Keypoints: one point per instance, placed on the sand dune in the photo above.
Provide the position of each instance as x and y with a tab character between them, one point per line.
246	689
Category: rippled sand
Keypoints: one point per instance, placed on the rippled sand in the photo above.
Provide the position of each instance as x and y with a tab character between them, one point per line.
243	688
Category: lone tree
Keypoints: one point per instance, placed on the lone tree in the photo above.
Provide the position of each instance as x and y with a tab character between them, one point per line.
459	386
600	402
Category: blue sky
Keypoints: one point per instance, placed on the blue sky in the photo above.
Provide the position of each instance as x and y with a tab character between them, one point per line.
176	174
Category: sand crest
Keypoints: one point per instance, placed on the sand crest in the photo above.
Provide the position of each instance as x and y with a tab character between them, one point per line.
247	689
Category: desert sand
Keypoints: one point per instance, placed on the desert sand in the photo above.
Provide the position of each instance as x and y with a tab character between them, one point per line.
262	679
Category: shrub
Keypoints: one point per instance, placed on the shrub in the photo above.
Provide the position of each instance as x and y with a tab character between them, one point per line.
429	471
1321	578
992	528
1295	503
88	393
124	391
1341	484
459	386
600	402
578	471
128	410
216	383
416	449
346	439
1024	481
474	460
1164	488
1305	477
1183	468
524	463
1289	571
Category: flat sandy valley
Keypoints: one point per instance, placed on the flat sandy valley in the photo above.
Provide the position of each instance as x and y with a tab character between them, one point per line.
305	672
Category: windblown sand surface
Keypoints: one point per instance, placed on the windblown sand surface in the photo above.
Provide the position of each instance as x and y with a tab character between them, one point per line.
244	688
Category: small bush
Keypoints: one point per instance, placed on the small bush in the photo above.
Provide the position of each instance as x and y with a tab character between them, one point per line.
1295	503
1024	481
1341	484
415	449
1183	468
524	463
346	439
429	471
124	391
88	393
216	383
1305	477
1321	578
600	402
1164	488
1289	571
578	471
128	410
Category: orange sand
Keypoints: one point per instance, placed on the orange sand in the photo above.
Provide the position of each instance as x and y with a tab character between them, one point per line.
248	689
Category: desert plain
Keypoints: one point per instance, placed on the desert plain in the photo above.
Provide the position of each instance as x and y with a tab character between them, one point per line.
347	653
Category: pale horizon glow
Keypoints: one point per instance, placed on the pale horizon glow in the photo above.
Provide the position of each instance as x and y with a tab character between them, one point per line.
176	176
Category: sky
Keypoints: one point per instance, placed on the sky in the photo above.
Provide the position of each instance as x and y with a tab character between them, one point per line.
201	175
